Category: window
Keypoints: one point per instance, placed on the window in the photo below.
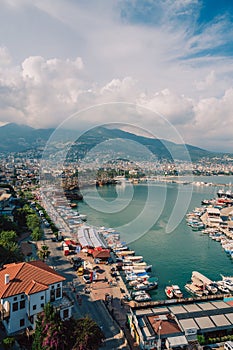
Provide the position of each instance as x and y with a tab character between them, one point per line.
58	292
22	304
42	297
22	296
34	307
58	285
66	313
15	306
15	298
42	305
52	287
52	295
22	322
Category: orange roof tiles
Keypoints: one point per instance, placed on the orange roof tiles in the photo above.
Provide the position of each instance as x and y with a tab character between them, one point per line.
27	277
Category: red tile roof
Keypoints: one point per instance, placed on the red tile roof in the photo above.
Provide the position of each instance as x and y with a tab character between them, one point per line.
165	326
27	277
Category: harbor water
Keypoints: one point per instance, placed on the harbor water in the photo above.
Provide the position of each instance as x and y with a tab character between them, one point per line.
175	254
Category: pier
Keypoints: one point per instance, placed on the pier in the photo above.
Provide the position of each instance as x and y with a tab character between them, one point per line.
190	300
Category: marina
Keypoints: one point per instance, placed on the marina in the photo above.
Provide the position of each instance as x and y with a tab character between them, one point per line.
162	250
139	269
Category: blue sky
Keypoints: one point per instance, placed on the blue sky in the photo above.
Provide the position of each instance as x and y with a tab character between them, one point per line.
171	56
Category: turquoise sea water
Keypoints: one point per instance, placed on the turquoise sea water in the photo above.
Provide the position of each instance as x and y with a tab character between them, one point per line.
174	255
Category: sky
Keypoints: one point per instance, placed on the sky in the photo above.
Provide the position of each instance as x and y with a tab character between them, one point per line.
173	58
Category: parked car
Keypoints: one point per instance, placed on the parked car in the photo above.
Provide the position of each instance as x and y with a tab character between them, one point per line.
87	278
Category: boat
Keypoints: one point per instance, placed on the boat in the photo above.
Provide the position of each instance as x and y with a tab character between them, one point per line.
197	291
134	276
176	291
228	284
73	205
132	263
146	286
83	217
197	226
225	194
120	249
200	280
138	292
136	268
136	272
143	297
221	287
124	253
134	258
169	292
137	281
212	288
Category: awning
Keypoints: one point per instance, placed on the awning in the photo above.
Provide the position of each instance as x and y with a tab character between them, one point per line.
177	341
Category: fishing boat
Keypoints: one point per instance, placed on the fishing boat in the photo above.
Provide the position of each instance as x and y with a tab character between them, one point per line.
176	291
169	292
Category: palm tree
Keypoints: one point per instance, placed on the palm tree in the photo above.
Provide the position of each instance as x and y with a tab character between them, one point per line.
44	252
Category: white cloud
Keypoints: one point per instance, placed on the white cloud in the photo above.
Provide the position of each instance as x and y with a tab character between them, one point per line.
176	108
5	57
163	65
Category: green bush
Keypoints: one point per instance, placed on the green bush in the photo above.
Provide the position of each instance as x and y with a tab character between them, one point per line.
201	339
8	343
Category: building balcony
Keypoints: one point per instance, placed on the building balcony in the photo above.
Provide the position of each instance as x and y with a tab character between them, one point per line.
62	303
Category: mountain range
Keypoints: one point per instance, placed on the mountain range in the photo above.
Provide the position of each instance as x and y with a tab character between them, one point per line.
21	138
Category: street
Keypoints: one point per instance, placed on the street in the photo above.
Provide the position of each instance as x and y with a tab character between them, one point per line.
84	305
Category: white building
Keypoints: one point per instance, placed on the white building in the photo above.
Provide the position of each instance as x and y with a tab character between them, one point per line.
25	288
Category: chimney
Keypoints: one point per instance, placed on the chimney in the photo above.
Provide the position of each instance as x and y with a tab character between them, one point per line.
7	278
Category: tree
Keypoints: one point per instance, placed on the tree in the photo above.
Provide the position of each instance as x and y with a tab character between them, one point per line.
44	252
7	237
87	334
32	221
49	330
36	234
9	251
52	333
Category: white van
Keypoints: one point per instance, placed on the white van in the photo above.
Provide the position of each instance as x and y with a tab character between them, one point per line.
228	345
